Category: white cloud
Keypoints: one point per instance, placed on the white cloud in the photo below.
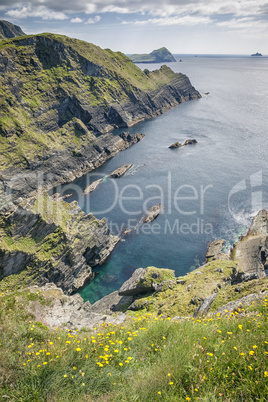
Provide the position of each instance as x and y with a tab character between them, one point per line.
157	8
76	20
177	20
93	20
41	11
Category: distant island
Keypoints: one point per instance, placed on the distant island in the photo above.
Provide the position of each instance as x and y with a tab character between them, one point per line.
162	55
256	54
8	30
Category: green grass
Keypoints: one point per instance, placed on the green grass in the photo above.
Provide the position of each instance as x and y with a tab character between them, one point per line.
147	359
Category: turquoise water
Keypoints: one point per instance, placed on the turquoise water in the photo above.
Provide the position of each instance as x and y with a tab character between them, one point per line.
209	190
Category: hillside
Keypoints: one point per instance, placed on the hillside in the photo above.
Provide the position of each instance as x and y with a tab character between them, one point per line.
161	55
8	30
59	94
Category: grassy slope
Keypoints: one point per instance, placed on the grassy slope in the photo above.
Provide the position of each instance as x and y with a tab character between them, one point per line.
24	131
148	359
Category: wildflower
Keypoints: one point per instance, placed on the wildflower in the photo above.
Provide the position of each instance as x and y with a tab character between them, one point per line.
250	368
74	368
171	383
251	352
254	347
51	343
120	364
240	326
78	349
159	392
45	363
266	374
65	375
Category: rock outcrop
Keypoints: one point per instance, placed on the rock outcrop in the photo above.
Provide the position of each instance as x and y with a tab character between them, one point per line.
179	144
146	280
68	311
153	214
9	30
62	167
251	252
92	186
215	252
60	97
121	171
48	240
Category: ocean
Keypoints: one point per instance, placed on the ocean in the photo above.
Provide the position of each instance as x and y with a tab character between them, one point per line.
210	190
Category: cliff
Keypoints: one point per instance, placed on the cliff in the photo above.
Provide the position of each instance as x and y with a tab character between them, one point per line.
9	30
59	96
162	55
45	239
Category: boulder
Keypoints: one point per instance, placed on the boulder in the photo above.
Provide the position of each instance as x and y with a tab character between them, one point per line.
215	252
146	280
205	305
111	303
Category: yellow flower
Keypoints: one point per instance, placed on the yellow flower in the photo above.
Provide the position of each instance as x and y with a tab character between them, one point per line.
74	368
254	347
251	352
159	392
65	375
171	383
78	349
45	363
51	343
120	364
266	374
250	368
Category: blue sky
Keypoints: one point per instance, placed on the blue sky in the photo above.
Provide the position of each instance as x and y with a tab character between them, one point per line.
139	26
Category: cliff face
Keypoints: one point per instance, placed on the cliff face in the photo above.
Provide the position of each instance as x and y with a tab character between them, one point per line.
48	240
8	30
58	94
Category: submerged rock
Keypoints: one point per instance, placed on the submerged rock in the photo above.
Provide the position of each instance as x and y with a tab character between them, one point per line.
153	214
121	171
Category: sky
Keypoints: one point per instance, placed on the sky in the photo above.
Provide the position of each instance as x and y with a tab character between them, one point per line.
140	26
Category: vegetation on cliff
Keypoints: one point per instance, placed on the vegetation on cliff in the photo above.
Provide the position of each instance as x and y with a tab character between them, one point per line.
48	240
57	91
149	358
9	30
